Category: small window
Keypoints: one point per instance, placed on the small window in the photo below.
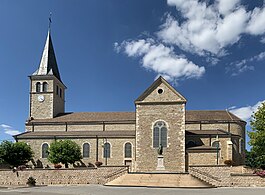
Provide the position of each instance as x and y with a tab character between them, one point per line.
45	87
106	153
86	150
38	87
160	134
57	90
128	150
44	149
60	92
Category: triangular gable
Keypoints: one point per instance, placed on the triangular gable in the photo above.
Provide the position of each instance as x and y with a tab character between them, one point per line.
169	93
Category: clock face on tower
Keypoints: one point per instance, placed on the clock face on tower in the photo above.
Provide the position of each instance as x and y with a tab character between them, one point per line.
41	98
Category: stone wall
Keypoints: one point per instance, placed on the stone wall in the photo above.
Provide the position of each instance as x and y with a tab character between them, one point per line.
224	176
62	176
206	158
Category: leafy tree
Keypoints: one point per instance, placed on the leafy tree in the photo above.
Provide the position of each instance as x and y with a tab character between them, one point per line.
64	151
257	139
15	154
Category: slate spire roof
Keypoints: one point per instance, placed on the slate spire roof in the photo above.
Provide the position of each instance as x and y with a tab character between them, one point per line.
48	64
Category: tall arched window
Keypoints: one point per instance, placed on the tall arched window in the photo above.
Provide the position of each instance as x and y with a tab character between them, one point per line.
44	149
61	92
38	87
128	150
86	150
241	145
160	134
106	152
45	87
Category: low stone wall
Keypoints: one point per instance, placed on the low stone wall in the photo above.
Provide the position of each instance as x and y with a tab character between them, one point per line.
247	180
99	175
230	176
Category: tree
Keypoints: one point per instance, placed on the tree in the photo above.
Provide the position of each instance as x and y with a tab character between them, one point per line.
64	151
257	138
15	154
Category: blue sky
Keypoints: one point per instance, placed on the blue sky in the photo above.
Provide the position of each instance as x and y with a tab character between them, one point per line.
109	52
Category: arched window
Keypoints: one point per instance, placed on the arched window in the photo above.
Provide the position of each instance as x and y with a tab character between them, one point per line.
57	90
216	144
241	145
128	150
190	143
86	150
160	134
45	87
106	152
38	86
44	149
60	92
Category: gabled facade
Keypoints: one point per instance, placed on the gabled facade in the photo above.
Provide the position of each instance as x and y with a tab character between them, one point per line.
131	138
160	115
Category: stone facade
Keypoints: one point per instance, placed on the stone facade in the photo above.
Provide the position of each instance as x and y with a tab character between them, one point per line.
170	108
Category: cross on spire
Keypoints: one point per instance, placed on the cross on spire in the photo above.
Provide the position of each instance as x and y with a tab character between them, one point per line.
50	21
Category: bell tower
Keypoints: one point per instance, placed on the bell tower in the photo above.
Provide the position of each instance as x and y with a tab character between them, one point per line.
47	91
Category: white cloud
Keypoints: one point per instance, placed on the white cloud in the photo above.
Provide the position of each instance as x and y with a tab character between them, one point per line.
5	126
245	64
12	132
231	27
246	112
262	40
226	6
256	25
205	28
9	129
161	59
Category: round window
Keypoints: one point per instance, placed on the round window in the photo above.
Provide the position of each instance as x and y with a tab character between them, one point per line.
160	91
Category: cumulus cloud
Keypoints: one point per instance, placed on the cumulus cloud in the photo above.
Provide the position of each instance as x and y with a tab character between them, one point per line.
205	28
161	59
226	6
9	129
256	25
246	112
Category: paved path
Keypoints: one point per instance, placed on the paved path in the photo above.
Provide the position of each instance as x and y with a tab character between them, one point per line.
104	190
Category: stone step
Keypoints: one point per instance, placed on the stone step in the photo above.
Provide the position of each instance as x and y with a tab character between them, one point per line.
158	180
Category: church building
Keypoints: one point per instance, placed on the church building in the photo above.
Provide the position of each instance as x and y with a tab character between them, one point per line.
160	135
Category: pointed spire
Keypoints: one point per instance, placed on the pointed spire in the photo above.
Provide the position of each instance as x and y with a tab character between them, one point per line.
48	64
